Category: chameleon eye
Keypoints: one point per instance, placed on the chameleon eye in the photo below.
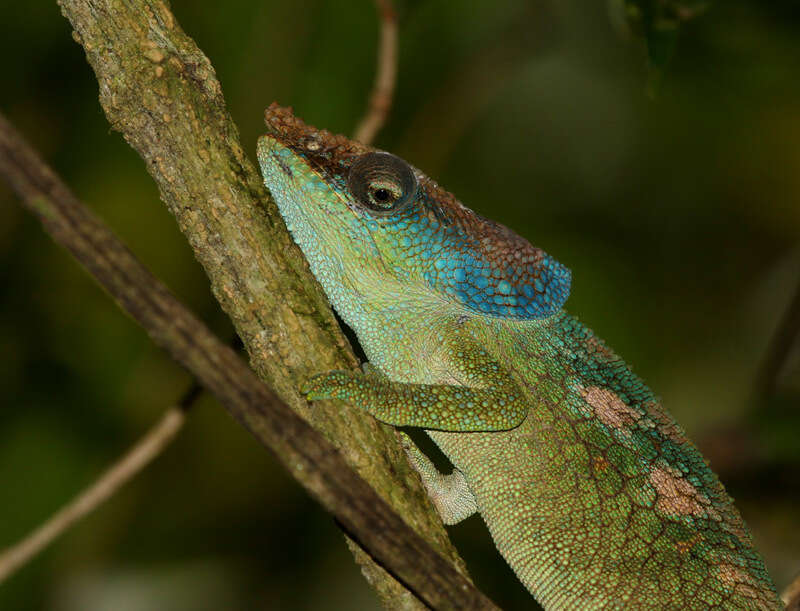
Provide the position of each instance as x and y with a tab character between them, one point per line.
382	182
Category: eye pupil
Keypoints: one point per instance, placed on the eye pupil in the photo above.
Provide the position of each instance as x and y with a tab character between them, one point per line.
382	195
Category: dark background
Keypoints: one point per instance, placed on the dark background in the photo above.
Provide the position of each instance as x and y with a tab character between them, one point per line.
678	215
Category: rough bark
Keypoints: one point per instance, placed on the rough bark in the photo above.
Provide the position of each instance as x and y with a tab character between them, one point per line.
160	91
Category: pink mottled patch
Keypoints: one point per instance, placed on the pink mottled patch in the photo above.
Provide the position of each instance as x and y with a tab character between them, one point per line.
677	496
734	577
609	408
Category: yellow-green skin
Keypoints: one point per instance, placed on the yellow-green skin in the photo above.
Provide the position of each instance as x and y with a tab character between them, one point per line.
591	491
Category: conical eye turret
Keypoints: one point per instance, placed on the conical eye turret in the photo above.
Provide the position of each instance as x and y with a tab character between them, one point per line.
381	182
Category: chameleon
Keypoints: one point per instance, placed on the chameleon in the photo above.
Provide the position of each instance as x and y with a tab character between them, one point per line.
591	491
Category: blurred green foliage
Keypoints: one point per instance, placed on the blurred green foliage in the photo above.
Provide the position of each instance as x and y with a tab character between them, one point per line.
679	216
658	22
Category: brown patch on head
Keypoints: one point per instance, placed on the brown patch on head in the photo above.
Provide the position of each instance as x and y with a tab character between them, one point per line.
676	496
609	408
307	139
334	153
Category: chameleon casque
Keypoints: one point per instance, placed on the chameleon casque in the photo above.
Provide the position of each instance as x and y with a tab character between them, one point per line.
591	491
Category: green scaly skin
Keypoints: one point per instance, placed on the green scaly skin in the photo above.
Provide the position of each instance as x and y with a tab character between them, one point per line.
591	491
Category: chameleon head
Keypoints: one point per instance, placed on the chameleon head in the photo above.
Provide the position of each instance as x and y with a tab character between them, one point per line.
367	220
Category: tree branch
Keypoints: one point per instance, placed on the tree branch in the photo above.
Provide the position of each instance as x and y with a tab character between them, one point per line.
305	453
161	93
156	440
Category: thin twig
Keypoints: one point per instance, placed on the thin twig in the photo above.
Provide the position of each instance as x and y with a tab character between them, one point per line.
791	595
310	458
385	76
779	348
128	466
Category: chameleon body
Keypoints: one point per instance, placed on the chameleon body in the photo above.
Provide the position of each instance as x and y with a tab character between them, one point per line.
591	491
